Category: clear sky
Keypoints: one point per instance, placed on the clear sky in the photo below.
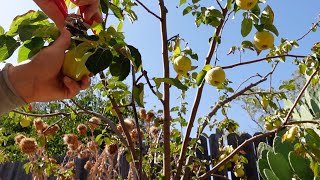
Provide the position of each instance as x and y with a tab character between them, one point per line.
292	18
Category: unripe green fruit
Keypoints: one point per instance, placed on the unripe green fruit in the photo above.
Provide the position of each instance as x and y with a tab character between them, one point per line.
239	172
182	65
263	40
215	76
25	122
264	103
75	68
277	123
268	126
246	4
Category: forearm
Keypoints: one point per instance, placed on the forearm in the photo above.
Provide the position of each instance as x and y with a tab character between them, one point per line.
9	98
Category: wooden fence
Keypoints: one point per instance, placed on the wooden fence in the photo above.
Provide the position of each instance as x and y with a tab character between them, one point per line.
15	171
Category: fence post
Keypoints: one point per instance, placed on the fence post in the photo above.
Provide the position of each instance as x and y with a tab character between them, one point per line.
233	140
214	150
251	167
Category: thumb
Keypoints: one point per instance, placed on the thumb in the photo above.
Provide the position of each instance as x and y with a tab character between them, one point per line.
64	39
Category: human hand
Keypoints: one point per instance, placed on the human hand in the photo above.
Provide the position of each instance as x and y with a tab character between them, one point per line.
41	79
91	12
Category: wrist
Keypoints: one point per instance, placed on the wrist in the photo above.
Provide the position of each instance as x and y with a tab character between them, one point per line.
22	80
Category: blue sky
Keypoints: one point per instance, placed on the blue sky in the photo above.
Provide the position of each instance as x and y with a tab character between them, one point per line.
292	18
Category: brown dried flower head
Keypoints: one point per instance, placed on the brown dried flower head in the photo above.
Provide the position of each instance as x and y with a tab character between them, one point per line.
70	165
153	130
112	148
28	145
94	122
82	129
150	115
73	147
88	165
51	130
119	127
129	123
143	113
38	124
134	135
92	145
18	138
70	139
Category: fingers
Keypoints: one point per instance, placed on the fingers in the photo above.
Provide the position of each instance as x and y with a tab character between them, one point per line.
64	39
85	82
91	13
73	88
85	2
52	10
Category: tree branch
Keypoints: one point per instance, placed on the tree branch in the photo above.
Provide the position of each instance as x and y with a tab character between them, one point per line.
166	90
259	60
145	74
198	98
299	96
147	9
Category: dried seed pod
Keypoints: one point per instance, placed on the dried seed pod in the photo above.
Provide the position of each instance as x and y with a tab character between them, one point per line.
94	122
28	145
82	129
70	165
119	127
129	123
73	147
154	130
134	135
88	165
150	115
143	113
92	145
18	138
70	139
52	130
38	124
112	148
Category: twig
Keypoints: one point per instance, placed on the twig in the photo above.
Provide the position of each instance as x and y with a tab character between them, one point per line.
108	121
145	74
246	81
313	26
196	103
140	170
261	59
166	92
219	4
47	115
299	96
52	125
246	142
303	122
147	9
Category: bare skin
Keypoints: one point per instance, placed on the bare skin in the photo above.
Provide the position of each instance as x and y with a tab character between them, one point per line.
41	80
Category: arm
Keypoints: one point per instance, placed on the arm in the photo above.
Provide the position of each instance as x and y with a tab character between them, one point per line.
39	80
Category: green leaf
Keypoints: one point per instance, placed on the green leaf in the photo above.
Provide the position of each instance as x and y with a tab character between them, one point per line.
1	30
247	45
267	16
200	77
30	48
138	92
171	81
182	2
120	68
272	28
7	46
31	17
99	60
300	166
279	165
262	165
104	6
116	11
135	54
302	68
187	10
229	4
246	27
269	174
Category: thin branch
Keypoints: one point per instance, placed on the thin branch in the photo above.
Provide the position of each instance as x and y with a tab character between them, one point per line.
47	115
246	81
52	125
145	74
310	30
147	9
261	59
245	143
166	92
196	103
219	4
140	170
299	96
303	122
108	121
121	120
